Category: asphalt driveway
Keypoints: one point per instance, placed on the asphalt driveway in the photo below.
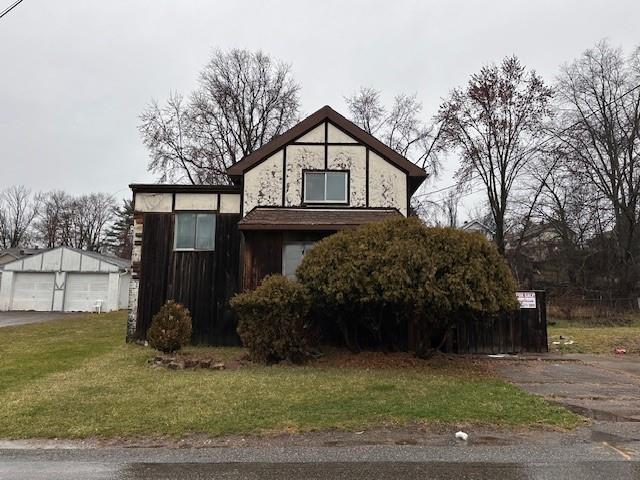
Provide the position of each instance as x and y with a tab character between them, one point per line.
605	389
601	387
10	319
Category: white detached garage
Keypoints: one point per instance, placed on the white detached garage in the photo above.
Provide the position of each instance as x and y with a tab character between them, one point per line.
65	279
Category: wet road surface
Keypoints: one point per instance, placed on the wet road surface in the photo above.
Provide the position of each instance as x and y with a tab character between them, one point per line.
11	319
584	462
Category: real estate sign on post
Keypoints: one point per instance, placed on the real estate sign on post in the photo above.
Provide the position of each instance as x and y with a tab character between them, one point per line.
526	299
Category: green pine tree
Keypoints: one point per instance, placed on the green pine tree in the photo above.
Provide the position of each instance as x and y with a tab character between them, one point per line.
120	234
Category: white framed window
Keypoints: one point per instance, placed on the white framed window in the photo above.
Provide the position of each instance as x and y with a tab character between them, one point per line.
195	231
325	187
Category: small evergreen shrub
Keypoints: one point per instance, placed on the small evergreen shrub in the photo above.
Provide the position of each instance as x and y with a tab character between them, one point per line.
170	328
273	321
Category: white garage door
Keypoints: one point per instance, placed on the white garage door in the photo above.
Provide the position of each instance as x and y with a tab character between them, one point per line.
83	290
33	291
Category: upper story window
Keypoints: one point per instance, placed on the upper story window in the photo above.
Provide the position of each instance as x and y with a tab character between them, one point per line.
325	187
195	231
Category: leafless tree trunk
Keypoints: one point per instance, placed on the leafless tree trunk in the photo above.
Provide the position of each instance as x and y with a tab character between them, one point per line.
18	208
243	100
496	124
600	97
48	223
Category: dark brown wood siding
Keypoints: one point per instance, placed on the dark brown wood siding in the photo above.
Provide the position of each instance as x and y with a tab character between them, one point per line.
261	256
202	281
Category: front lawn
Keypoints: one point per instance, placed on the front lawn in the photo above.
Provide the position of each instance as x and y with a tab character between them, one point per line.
578	337
75	378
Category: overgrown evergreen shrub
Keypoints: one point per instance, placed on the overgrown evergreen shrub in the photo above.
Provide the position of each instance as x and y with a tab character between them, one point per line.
273	321
170	328
379	277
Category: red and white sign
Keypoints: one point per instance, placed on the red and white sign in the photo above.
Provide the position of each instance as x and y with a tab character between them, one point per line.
526	299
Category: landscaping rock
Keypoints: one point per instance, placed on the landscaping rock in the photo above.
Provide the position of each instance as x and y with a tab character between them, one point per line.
217	366
190	363
204	363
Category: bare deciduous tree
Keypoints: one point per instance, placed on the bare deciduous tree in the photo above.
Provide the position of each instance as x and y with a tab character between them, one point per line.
400	127
79	222
495	124
243	100
18	208
600	100
440	212
94	212
48	223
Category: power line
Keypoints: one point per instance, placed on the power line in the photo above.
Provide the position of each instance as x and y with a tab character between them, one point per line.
531	150
457	184
9	8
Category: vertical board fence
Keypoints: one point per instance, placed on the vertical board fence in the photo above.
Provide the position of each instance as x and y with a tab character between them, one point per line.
520	331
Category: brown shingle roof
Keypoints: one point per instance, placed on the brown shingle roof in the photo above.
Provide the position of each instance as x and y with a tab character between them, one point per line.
312	218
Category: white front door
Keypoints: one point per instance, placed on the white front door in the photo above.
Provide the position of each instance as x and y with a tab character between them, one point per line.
33	291
84	290
292	254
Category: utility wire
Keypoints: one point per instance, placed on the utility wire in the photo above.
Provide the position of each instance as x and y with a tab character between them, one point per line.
9	8
531	150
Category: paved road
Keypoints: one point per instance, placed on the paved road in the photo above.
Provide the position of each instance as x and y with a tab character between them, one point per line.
585	462
10	319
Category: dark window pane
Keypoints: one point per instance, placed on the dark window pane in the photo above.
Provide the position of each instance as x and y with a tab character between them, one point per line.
314	187
206	232
185	230
336	186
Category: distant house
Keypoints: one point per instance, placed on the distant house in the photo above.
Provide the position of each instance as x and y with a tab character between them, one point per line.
65	279
11	254
477	226
200	244
540	241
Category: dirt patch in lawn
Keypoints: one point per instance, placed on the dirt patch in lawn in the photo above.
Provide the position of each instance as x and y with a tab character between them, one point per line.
440	363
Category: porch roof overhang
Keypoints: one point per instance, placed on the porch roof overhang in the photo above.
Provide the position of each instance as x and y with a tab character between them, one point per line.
327	219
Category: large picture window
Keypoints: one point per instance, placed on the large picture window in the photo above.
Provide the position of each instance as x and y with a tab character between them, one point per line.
195	231
325	187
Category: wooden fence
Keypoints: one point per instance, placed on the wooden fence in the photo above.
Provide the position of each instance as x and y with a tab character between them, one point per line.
521	331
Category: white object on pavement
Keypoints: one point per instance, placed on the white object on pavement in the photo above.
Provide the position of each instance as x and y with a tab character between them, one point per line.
462	436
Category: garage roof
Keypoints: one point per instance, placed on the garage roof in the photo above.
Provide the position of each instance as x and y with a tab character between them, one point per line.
62	259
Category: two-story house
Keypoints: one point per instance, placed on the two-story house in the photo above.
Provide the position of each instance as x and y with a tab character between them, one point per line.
200	244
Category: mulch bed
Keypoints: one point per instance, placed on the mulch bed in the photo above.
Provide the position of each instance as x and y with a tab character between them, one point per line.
332	357
371	360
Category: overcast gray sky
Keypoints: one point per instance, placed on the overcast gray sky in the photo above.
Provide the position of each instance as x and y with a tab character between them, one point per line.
75	74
